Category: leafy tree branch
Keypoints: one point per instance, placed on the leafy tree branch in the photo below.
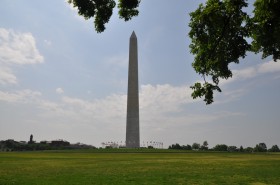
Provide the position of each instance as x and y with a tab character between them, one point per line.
102	10
219	30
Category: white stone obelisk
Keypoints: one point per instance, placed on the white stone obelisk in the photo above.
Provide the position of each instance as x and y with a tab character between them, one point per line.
132	119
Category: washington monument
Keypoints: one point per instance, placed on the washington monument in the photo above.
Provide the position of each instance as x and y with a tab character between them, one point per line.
132	117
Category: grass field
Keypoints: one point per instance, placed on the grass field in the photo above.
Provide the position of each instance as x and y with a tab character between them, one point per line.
129	167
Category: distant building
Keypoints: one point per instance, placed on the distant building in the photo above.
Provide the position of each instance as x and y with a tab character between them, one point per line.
31	140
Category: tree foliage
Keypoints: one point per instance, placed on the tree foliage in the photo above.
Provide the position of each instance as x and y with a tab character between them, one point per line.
232	149
102	10
11	145
265	28
274	148
221	147
249	149
219	34
179	147
195	146
261	147
204	146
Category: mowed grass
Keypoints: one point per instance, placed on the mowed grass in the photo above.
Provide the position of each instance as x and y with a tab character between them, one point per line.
91	167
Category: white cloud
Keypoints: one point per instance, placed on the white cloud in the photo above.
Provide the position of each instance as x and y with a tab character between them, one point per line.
154	100
269	67
157	103
59	90
251	72
231	95
7	76
248	73
24	96
164	98
164	104
16	49
162	108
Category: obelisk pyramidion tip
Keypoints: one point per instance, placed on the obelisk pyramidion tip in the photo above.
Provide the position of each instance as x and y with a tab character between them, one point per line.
133	35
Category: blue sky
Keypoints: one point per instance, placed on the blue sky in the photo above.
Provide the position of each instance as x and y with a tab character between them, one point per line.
59	79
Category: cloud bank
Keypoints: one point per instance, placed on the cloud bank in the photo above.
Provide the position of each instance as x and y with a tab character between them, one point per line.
16	49
59	90
164	109
251	72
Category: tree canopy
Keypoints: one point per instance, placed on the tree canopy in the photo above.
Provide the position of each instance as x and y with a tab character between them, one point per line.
102	10
221	33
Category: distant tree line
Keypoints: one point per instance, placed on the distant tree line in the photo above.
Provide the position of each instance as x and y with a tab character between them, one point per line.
11	145
261	147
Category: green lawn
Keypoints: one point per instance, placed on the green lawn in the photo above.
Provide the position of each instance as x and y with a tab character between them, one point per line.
89	167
